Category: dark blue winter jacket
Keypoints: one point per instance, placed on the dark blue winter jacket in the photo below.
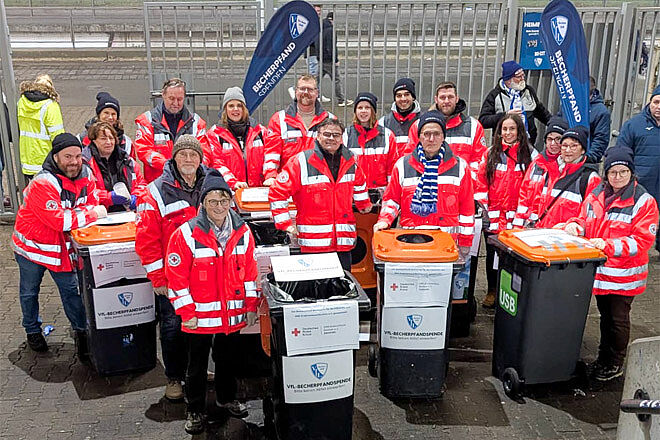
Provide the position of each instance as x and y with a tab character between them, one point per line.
599	127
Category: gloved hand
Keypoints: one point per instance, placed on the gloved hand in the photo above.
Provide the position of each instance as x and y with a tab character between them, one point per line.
598	243
251	318
100	211
380	226
117	199
240	185
269	181
574	229
160	290
133	202
191	324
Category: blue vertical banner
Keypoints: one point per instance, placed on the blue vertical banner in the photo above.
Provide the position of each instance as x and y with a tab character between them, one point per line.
532	50
288	34
563	37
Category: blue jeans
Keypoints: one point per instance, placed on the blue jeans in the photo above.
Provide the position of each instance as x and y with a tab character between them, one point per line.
31	275
172	342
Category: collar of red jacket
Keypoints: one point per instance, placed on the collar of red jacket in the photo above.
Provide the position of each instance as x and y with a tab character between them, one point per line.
365	135
409	117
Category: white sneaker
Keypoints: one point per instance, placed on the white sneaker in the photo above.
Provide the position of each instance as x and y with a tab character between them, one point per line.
345	103
325	99
292	93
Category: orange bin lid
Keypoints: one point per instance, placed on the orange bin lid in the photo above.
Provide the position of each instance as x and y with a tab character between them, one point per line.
548	245
395	245
255	200
103	234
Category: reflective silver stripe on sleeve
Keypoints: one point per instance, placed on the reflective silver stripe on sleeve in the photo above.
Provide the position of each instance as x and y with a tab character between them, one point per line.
234	304
314	242
67	220
618	247
182	301
632	245
158	264
209	322
314	229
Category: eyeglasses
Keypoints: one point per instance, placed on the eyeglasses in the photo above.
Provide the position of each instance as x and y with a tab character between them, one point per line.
329	135
571	147
431	134
520	74
614	173
213	203
307	89
553	140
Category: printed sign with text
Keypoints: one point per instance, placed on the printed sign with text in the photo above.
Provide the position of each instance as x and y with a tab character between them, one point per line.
318	378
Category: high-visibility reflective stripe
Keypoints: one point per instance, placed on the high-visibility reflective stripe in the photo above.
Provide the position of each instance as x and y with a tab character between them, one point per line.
632	245
176	206
241	249
618	247
314	242
41	246
227	146
234	304
612	285
80	217
174	293
37	257
156	265
234	320
567	195
67	220
269	166
283	127
293	134
347	178
480	195
209	322
391	204
251	294
213	306
401	139
449	180
281	218
182	301
29	167
619	217
187	236
55	128
617	272
341	227
358	197
29	134
465	218
360	188
641	202
410	181
533	216
257	143
315	229
279	204
157	197
367	151
518	222
458	140
466	230
151	158
145	207
203	253
161	137
345	241
271	156
522	209
250	285
493	214
315	180
492	227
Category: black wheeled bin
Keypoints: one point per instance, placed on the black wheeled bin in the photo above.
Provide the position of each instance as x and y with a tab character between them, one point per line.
414	311
118	300
302	382
545	280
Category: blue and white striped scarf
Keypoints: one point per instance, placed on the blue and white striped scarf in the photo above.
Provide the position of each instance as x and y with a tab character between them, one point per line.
425	199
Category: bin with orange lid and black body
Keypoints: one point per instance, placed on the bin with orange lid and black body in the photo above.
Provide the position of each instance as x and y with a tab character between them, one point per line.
545	280
118	297
415	271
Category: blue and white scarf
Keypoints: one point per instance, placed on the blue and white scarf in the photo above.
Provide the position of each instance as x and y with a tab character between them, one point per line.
516	103
425	199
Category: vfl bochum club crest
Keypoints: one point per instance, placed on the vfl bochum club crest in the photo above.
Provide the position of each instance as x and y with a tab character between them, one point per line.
414	321
559	26
319	369
125	298
297	25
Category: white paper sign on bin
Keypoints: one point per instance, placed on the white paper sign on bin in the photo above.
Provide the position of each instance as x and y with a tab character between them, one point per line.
414	328
306	267
318	378
321	326
417	284
114	261
122	306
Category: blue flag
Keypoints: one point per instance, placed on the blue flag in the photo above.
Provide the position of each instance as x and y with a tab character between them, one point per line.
293	27
566	48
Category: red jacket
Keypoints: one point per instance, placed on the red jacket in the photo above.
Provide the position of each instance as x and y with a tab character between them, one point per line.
400	125
236	164
545	186
628	226
287	136
125	142
153	140
455	209
218	287
166	205
53	205
325	219
128	168
541	168
465	137
500	198
375	153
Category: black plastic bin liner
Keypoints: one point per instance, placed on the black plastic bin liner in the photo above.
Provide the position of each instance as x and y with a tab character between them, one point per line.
266	234
312	290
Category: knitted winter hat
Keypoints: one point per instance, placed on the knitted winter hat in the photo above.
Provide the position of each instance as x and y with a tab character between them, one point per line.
190	142
619	156
405	84
368	97
509	69
432	116
580	133
105	100
65	140
233	93
213	182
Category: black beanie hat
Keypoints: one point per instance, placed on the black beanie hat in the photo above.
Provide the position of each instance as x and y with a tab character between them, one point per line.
556	124
432	116
213	182
366	96
65	140
405	84
580	134
619	156
105	100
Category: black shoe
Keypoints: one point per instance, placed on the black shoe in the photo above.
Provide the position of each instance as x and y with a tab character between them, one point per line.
194	423
594	367
37	342
81	345
608	372
235	408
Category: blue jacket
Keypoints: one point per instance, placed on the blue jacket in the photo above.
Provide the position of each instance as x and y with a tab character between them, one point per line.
599	127
642	134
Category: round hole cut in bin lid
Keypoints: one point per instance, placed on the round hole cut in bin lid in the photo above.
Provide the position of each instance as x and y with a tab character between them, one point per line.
414	246
102	234
549	245
255	200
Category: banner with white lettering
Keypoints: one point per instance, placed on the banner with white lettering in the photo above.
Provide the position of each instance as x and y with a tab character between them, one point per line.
532	51
321	326
122	306
414	328
114	261
563	38
318	378
417	284
292	28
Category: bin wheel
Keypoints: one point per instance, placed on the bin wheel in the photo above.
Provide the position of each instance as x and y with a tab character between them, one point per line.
373	360
511	383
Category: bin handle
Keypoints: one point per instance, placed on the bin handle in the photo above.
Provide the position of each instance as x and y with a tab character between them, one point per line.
642	405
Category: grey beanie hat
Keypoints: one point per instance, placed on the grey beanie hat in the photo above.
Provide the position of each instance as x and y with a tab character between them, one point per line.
188	142
233	93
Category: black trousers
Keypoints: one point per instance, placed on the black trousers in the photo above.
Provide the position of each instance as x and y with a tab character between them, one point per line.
223	348
614	328
491	274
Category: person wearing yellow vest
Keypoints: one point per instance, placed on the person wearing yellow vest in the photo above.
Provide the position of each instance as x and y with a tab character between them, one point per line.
39	121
